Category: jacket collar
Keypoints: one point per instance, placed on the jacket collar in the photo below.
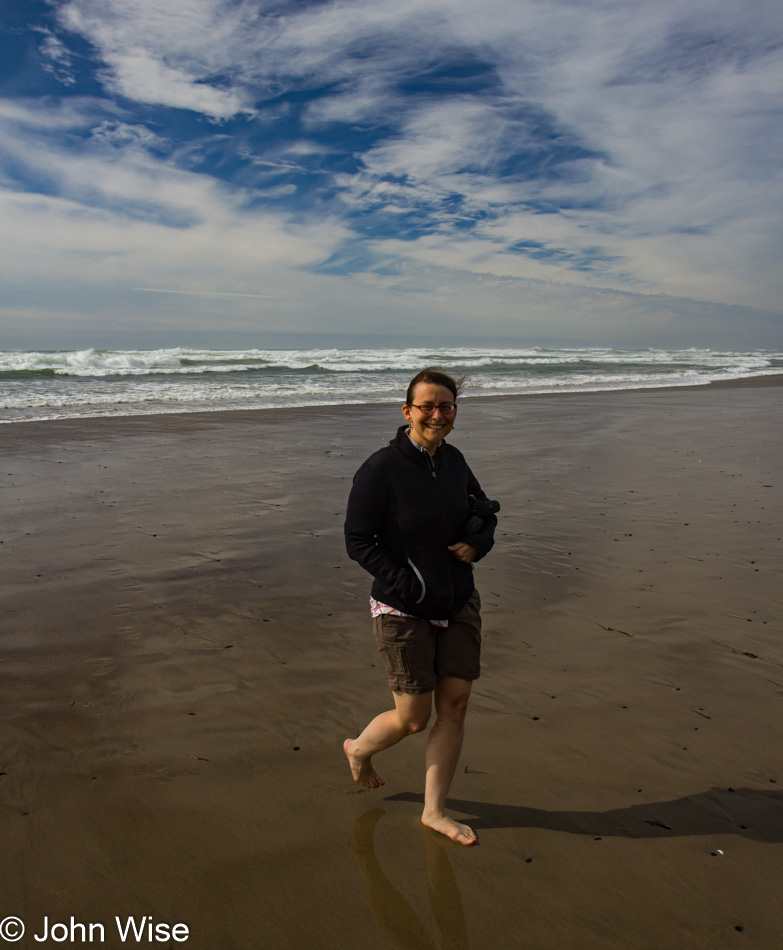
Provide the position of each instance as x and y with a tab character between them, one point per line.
410	449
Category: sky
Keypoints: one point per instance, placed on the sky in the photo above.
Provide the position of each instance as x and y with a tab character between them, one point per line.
557	172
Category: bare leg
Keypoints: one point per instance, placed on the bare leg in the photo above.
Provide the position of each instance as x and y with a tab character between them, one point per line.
443	748
411	714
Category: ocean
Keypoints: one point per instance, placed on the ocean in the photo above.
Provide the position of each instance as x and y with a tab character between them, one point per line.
68	384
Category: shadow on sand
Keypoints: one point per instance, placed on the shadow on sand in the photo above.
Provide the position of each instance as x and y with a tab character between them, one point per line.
752	813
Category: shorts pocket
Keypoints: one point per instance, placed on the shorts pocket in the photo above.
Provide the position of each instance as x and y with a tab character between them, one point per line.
394	640
407	648
399	663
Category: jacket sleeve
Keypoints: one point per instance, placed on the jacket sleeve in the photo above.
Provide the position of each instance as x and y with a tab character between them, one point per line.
483	539
367	506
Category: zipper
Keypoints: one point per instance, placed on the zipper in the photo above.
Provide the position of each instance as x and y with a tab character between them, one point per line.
444	509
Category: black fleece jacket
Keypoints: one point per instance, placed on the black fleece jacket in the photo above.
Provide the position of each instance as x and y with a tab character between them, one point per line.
404	510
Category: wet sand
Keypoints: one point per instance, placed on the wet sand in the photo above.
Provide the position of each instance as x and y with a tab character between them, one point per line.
185	645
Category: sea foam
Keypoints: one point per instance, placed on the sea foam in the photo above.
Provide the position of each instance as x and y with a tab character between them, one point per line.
83	383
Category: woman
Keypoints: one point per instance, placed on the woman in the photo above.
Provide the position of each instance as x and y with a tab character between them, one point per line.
406	525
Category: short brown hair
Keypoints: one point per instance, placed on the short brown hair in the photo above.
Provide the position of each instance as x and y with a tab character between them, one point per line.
434	375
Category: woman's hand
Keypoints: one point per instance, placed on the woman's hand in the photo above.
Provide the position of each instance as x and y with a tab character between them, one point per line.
464	552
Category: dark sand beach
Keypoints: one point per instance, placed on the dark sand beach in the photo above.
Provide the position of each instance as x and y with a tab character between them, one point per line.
185	645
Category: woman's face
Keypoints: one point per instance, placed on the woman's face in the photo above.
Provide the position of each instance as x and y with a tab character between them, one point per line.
429	430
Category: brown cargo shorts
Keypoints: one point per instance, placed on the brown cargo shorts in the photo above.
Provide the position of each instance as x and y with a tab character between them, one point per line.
415	652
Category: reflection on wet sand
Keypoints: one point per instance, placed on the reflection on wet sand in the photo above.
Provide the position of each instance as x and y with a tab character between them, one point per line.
391	910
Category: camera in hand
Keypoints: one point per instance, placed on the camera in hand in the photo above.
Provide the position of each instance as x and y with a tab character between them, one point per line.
480	510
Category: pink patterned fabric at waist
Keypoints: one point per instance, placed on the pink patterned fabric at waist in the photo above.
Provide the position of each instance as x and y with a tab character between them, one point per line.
377	608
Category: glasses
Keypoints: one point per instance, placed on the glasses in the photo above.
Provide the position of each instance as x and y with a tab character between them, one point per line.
428	408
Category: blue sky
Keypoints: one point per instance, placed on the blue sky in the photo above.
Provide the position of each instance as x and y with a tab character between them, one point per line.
601	171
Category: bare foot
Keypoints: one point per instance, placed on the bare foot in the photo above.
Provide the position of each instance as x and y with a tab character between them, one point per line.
362	769
458	832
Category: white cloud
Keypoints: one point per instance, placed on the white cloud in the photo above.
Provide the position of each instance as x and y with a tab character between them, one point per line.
125	135
57	58
117	218
687	195
138	75
651	131
163	54
21	115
